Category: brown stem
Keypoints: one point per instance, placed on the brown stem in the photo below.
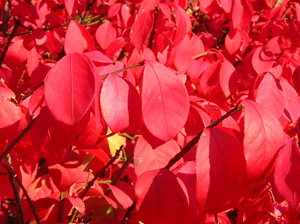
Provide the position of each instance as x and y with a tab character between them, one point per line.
121	171
124	69
9	40
14	186
194	141
153	29
16	141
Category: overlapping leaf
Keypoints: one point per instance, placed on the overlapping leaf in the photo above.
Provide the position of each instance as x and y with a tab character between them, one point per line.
160	198
120	104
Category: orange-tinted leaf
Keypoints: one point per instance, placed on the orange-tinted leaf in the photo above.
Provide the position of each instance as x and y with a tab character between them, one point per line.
70	88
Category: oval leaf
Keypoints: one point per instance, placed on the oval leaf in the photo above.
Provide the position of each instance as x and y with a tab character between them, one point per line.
165	102
141	29
160	199
70	88
120	104
263	137
220	166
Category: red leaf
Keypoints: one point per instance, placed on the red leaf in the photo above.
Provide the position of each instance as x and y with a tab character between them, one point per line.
296	79
148	158
165	103
228	78
10	116
141	29
220	168
291	101
263	137
286	173
71	6
233	41
70	88
124	193
226	5
270	94
105	34
74	41
262	60
160	198
77	203
66	173
120	104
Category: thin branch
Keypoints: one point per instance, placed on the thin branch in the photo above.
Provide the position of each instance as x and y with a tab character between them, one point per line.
27	198
124	69
9	40
16	141
97	175
121	171
153	28
14	186
194	141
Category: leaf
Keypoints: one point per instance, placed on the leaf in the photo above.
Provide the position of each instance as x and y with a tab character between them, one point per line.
291	101
220	167
296	79
77	203
105	34
262	60
286	173
74	41
70	88
160	198
165	103
124	193
148	158
120	104
226	5
263	138
270	94
141	29
66	173
228	78
10	116
233	41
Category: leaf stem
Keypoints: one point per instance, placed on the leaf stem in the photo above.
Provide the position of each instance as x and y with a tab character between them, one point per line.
17	140
9	40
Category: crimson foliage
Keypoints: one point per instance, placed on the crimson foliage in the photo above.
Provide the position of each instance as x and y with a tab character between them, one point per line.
138	111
